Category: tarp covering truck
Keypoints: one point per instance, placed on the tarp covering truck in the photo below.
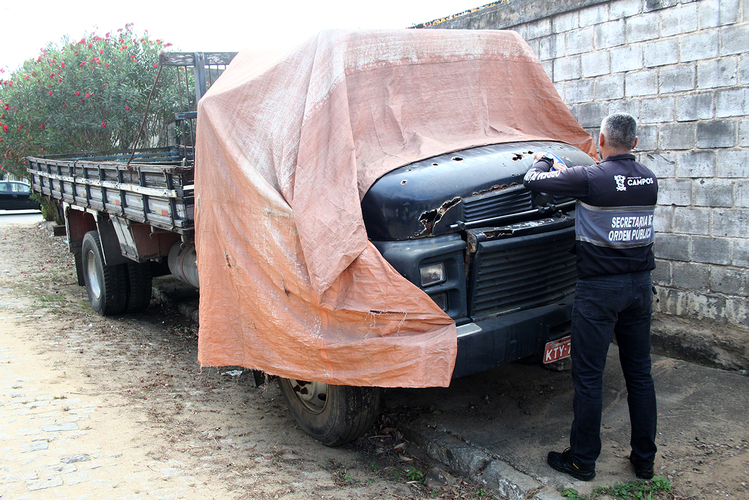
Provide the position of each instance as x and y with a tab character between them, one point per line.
354	216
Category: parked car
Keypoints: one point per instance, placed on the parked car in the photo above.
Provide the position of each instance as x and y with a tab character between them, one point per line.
16	196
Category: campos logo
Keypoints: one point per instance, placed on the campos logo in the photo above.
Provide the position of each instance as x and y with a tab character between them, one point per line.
620	182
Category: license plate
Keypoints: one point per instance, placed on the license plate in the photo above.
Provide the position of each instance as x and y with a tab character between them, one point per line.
557	349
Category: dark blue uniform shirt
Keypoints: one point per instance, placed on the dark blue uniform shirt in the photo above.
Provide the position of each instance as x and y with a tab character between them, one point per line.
614	221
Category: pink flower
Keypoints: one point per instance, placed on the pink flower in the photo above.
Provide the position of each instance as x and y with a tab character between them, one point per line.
77	93
62	64
155	65
42	125
103	125
83	63
101	51
59	80
5	127
49	93
51	75
88	95
127	108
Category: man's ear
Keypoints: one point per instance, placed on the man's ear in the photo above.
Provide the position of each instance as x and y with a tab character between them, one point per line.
601	140
635	143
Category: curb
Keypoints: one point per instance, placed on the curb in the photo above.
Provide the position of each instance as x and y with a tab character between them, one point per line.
477	464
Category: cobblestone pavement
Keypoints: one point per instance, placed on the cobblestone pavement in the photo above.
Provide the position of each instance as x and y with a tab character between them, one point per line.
57	444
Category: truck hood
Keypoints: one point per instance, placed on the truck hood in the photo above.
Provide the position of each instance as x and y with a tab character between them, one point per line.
446	193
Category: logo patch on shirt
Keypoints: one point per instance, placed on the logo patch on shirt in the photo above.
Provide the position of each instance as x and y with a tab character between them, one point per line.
620	182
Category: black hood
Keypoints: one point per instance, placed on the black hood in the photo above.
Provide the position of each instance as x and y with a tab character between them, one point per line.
442	194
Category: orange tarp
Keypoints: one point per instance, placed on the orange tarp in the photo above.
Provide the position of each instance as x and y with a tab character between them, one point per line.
288	144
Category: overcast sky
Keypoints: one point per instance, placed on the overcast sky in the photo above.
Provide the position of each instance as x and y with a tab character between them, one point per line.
205	25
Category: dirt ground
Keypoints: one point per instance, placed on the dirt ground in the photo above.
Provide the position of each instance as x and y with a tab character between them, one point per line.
156	405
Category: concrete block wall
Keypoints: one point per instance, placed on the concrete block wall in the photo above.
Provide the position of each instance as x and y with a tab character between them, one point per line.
681	67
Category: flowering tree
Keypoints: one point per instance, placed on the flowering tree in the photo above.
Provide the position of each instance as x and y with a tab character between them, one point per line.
88	95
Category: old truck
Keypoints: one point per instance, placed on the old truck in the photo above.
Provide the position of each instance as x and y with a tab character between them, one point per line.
458	225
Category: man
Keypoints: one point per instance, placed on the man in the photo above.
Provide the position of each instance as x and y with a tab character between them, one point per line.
614	247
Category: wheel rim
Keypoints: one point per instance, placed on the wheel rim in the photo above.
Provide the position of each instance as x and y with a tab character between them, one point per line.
312	395
93	276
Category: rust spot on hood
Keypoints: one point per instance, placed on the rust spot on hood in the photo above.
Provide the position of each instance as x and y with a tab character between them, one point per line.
432	217
494	189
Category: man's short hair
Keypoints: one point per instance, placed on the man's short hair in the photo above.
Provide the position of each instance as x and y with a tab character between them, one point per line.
620	130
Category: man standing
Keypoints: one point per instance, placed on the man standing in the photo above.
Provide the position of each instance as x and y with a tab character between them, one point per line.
614	246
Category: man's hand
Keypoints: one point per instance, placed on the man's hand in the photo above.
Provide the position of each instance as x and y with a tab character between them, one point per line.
555	166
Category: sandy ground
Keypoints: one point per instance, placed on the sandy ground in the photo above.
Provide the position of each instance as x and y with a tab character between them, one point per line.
160	425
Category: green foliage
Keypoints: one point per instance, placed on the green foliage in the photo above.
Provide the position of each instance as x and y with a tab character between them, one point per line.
633	490
86	95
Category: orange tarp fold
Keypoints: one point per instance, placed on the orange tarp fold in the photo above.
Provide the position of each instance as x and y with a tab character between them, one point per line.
289	143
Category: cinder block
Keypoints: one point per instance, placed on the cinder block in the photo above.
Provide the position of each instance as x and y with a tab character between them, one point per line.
611	34
741	196
581	40
675	192
641	83
695	107
578	91
700	46
595	64
732	102
663	165
611	87
744	71
626	58
661	275
678	20
692	220
624	8
648	139
662	219
734	39
709	15
641	28
595	14
744	133
730	223
740	252
661	52
717	73
658	110
729	280
729	11
589	114
674	136
732	164
737	311
711	250
691	276
537	29
713	193
716	134
565	22
672	247
677	78
567	68
696	164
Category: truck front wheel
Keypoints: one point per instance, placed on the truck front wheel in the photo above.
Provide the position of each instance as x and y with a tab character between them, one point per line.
106	286
332	414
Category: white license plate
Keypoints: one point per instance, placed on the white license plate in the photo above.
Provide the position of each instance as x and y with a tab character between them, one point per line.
557	349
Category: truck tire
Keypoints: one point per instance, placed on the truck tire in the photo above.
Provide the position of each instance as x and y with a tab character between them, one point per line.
139	284
332	414
106	286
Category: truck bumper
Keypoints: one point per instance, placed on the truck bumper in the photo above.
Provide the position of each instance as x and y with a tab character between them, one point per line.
491	342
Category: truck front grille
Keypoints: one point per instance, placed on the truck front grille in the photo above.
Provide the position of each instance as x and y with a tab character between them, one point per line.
497	203
518	273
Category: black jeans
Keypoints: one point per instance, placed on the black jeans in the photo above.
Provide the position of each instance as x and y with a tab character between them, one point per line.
604	306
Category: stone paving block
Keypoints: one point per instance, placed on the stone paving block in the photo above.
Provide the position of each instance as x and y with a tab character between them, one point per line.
61	427
36	446
41	484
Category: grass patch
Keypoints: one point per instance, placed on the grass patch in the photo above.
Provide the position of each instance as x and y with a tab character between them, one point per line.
655	489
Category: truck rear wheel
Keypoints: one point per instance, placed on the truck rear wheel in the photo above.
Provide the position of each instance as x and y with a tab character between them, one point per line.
139	284
332	414
106	286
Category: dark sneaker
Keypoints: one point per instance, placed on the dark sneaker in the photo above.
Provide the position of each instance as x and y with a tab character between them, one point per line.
642	472
563	462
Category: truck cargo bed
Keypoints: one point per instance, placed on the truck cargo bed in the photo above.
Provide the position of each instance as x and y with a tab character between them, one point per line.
155	188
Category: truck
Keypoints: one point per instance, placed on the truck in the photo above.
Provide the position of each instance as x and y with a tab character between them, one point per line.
459	226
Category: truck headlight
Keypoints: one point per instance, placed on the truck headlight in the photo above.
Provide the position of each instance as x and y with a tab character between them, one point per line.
433	274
